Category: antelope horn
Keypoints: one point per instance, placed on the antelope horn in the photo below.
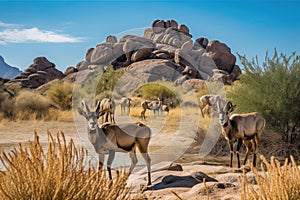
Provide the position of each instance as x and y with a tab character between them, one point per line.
85	106
218	106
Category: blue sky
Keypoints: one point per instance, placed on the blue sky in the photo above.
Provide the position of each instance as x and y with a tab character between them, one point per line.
62	31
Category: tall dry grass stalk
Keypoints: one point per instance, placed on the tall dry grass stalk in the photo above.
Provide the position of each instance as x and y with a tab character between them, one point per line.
274	182
63	171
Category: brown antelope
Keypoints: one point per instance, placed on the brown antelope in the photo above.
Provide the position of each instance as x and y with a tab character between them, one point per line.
210	100
109	138
243	128
108	104
150	105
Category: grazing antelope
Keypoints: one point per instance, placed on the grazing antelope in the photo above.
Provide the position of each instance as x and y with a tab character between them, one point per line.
150	105
210	100
243	128
108	104
125	105
109	138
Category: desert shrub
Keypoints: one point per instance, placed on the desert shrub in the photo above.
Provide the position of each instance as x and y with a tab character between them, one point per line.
6	102
161	89
63	171
7	108
271	89
108	80
30	105
60	93
275	181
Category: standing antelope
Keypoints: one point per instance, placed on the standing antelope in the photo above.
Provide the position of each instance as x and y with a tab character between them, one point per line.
108	104
210	100
109	138
150	105
125	105
243	128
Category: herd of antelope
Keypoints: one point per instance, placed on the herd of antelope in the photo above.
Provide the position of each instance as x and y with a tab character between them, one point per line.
108	137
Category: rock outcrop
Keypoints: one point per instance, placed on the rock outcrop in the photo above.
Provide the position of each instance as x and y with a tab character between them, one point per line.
168	41
40	72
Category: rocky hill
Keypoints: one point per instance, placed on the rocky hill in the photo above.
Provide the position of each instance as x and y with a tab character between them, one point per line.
166	50
7	71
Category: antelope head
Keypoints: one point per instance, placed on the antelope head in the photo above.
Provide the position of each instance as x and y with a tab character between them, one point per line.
224	113
91	117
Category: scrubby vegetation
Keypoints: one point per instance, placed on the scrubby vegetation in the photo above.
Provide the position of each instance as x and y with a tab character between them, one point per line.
272	90
30	105
275	181
63	171
61	94
108	80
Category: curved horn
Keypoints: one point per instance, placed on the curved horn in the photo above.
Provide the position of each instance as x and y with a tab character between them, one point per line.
218	106
85	106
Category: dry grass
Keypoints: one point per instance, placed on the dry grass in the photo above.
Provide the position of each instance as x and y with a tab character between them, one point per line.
276	181
30	105
60	93
61	172
60	115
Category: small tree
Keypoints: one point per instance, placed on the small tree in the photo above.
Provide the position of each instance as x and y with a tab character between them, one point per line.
108	80
273	90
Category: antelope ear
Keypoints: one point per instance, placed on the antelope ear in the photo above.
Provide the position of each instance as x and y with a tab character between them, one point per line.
232	108
82	112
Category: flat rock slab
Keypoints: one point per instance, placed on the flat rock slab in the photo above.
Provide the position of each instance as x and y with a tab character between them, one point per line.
171	181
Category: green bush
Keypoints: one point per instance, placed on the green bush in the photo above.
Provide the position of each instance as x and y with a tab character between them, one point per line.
161	89
60	93
272	90
108	80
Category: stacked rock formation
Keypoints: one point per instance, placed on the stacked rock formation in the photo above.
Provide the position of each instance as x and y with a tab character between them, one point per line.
172	43
40	72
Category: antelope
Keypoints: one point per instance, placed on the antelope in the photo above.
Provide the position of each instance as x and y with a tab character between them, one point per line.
110	138
125	105
108	104
165	108
150	105
243	128
210	100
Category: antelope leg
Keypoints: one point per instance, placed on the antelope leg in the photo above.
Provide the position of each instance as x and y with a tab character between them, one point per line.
111	156
231	152
134	160
237	151
101	160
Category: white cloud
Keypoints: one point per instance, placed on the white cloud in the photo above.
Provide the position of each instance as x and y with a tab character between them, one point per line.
34	35
2	24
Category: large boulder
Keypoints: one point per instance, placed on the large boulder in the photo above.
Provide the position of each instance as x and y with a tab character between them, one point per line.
40	72
221	54
139	73
166	40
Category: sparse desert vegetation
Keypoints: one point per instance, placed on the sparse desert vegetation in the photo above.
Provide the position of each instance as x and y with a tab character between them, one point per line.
61	170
